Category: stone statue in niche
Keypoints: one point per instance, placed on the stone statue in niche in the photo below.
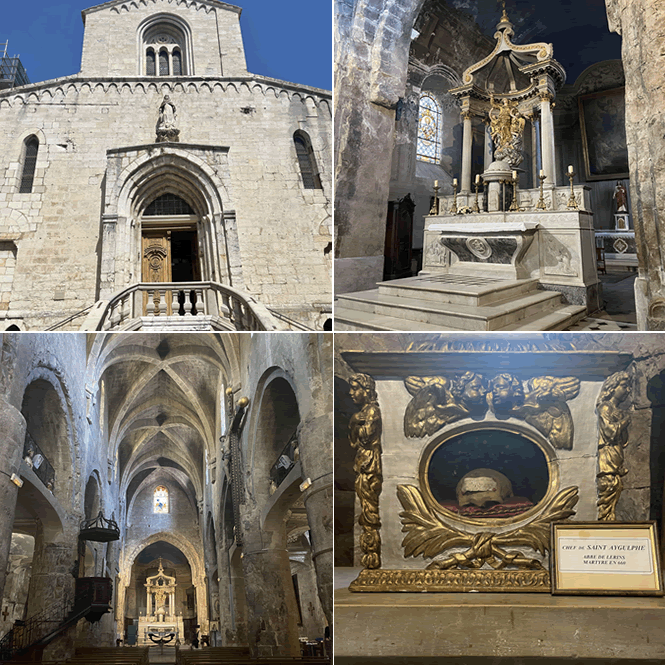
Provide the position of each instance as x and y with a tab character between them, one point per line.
506	128
167	130
621	196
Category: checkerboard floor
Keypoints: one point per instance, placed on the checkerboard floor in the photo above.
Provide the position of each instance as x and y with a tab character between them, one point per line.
602	325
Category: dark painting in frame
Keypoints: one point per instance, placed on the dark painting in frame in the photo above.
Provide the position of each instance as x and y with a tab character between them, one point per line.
603	120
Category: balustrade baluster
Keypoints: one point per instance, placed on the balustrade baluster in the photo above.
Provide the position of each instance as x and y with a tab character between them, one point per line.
163	305
188	303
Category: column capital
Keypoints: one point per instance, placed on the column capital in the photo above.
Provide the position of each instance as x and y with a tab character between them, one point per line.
467	115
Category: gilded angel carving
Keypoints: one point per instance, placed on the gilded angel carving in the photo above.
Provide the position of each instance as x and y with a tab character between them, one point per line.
506	128
365	437
429	536
542	404
438	400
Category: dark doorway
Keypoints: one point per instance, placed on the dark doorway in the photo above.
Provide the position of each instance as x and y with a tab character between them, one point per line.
184	257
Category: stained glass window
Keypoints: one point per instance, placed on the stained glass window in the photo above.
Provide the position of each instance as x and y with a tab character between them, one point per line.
161	500
429	130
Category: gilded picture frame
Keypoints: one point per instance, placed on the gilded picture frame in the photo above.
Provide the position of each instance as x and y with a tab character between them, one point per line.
602	122
606	559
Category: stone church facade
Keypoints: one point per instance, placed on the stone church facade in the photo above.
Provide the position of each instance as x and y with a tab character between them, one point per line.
165	161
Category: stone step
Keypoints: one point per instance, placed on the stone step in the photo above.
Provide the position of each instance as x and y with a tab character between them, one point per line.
449	316
459	289
355	319
559	319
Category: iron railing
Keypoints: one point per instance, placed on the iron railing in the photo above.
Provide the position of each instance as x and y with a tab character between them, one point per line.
232	308
285	461
34	457
27	633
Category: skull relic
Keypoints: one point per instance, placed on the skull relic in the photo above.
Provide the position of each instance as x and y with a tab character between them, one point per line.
483	488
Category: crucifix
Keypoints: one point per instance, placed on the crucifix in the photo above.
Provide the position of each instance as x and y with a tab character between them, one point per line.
5	613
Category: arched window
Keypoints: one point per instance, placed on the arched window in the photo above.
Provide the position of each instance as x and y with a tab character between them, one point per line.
429	129
166	39
161	500
306	161
163	63
177	62
29	163
150	63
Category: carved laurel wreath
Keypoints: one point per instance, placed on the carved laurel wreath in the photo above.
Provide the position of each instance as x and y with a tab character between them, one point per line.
426	534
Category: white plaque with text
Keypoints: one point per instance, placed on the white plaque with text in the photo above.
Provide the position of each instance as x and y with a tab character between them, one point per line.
606	558
602	555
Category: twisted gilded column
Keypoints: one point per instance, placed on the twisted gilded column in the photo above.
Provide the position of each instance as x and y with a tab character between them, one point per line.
365	437
613	424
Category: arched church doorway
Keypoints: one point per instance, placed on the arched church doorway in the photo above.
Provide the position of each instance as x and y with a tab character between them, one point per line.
169	241
161	596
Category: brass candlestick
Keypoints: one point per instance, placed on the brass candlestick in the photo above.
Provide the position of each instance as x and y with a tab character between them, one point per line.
572	203
453	207
541	201
513	206
435	204
476	208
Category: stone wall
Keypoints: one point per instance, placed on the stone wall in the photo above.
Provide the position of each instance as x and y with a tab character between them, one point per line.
111	40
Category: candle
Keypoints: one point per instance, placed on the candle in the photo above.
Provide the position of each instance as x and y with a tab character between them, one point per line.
514	175
542	173
477	178
570	168
436	184
454	182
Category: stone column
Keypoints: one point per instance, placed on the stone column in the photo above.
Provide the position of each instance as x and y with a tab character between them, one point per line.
467	148
488	145
314	439
547	139
202	604
640	26
52	570
12	426
271	603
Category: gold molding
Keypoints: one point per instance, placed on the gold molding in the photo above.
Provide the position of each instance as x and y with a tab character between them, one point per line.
365	437
505	581
543	446
613	424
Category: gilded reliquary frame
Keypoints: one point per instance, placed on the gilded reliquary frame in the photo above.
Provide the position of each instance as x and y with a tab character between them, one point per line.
411	540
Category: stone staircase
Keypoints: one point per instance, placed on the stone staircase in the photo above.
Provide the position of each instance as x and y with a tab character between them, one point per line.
455	302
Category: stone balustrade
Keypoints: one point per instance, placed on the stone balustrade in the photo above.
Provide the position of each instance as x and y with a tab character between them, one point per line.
181	305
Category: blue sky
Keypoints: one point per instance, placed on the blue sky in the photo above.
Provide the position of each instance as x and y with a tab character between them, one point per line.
289	40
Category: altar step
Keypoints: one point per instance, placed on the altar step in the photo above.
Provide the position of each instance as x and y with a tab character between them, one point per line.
455	302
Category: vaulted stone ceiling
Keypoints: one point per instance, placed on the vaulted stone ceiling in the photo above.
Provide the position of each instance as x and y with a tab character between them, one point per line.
162	399
577	28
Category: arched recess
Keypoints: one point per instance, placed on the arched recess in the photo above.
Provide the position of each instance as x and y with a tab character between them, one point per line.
49	446
181	174
195	561
168	32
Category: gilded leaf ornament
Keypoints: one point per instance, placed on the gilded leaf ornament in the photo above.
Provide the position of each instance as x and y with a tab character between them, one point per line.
429	536
365	437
